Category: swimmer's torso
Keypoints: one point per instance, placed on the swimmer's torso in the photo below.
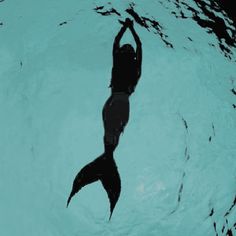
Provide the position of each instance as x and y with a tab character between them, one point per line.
124	74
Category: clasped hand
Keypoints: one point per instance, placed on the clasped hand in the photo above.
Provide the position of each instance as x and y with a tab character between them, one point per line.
127	23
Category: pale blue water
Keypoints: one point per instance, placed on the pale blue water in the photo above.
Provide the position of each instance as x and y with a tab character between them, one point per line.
53	84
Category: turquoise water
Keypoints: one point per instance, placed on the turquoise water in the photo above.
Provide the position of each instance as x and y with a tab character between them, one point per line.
176	157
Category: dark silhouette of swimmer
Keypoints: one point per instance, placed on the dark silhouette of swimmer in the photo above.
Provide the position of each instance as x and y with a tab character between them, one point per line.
126	72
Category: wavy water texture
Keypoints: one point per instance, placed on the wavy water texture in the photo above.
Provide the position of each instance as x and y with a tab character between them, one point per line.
216	17
176	157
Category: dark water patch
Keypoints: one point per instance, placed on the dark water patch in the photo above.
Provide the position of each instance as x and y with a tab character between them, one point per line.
186	155
233	91
185	123
213	128
186	151
229	233
149	24
228	7
189	39
214	225
231	207
63	23
180	192
212	212
217	25
159	30
181	188
180	15
223	229
214	133
100	10
217	17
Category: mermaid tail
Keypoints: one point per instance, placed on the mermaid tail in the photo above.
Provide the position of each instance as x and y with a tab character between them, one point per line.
104	169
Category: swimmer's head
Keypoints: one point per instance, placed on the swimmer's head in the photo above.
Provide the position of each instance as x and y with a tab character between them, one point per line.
128	50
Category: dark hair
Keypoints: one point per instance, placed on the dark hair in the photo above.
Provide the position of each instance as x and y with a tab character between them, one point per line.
127	49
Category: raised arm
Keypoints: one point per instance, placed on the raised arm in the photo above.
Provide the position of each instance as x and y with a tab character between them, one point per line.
118	37
138	49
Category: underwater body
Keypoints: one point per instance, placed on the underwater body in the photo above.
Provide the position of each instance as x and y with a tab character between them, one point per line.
176	157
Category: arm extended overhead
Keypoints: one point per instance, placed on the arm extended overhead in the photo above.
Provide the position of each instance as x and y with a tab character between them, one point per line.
138	44
118	37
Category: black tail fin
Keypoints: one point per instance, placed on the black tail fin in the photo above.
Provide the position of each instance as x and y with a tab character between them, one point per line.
104	169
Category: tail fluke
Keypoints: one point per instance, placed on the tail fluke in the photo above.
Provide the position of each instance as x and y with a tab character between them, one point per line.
87	175
104	169
111	183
